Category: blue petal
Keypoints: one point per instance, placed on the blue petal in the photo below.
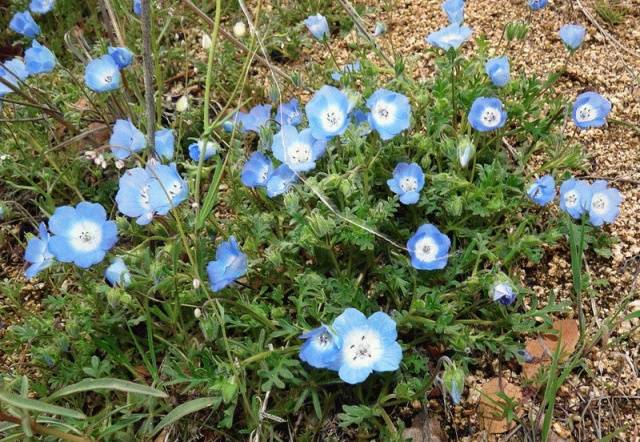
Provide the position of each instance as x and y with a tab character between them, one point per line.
390	358
354	375
348	320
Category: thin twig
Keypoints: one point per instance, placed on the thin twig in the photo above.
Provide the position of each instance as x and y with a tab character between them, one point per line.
147	65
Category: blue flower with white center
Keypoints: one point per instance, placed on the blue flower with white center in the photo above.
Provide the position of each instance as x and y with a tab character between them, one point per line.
328	113
164	143
168	189
126	139
13	72
572	36
122	56
361	121
289	113
117	274
429	248
133	195
280	181
321	348
209	148
299	151
537	4
39	59
543	190
604	206
24	24
390	113
102	74
81	234
407	182
450	37
367	345
346	69
466	151
256	171
454	10
257	117
137	7
575	196
590	110
503	293
37	253
318	26
487	114
41	6
498	70
229	265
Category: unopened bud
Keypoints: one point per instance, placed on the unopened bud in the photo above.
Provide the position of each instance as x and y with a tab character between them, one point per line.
453	381
182	104
206	41
196	283
197	313
240	29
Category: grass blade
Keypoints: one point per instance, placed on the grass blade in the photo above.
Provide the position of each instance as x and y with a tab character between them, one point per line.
108	384
184	409
39	406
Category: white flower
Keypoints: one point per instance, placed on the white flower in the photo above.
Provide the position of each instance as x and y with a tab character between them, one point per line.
240	29
197	313
206	41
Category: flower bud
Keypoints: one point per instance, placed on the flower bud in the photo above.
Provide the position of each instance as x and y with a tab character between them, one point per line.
182	104
197	313
196	283
206	41
453	381
240	29
119	164
466	151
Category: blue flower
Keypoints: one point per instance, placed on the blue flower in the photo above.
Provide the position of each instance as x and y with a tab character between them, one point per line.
328	113
37	253
229	265
102	74
503	293
575	196
572	36
39	59
137	7
122	56
604	205
321	348
24	24
498	70
450	37
256	171
537	4
164	142
133	195
230	123
407	182
379	29
543	190
280	181
81	235
318	26
209	149
257	117
454	10
289	113
390	113
167	189
466	151
590	110
41	6
126	139
12	71
299	151
429	248
367	345
487	114
117	274
346	69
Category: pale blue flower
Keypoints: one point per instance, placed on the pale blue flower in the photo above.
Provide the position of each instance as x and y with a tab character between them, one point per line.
256	118
41	6
543	190
379	29
487	114
454	10
390	113
575	196
102	74
367	345
346	69
24	24
117	274
572	36
299	151
81	234
229	265
289	113
590	110
122	56
407	182
39	59
537	4
13	72
164	144
503	293
429	248
37	253
321	348
137	7
133	195
328	113
318	26
450	37
126	139
256	171
498	70
280	181
167	189
209	149
604	205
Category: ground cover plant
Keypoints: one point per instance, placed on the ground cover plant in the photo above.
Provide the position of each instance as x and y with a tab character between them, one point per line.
297	260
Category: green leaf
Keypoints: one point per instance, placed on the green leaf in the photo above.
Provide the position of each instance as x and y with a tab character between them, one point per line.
184	409
39	406
108	384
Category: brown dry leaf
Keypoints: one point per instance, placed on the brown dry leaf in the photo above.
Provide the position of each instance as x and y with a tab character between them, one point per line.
99	132
419	432
82	104
536	351
490	410
542	348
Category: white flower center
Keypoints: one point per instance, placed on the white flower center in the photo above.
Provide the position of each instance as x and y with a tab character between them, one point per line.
571	198
426	249
586	112
332	119
299	153
450	38
408	184
599	203
490	117
86	236
383	113
323	340
362	348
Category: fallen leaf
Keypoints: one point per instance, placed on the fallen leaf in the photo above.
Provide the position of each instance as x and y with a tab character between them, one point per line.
491	408
419	432
542	348
99	132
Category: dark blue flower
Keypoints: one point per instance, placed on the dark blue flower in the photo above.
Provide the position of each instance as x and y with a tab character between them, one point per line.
229	265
